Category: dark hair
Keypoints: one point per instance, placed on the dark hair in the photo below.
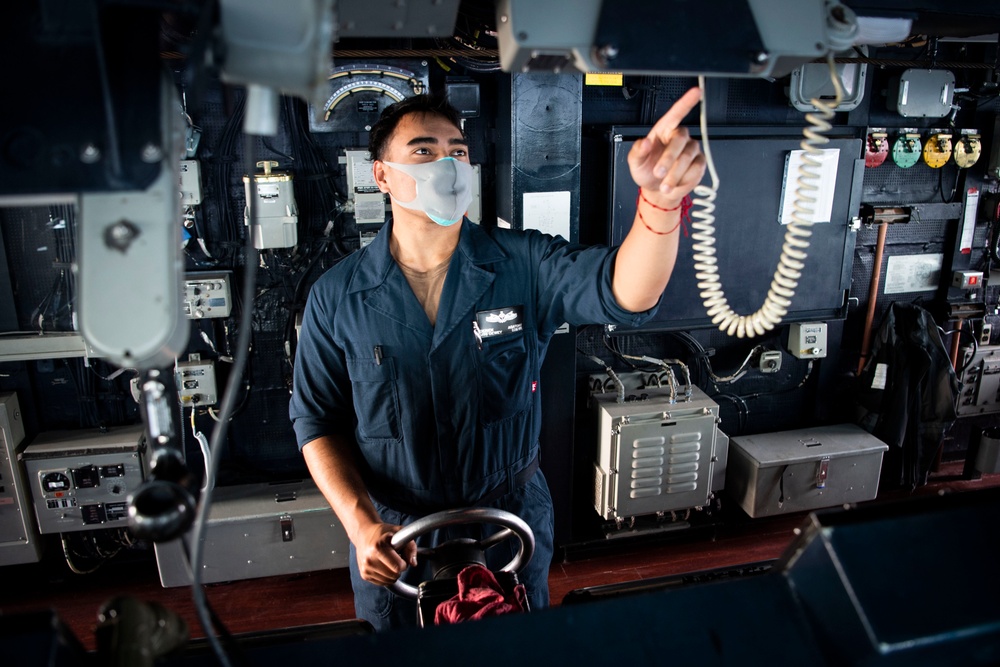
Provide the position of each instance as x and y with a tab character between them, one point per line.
392	114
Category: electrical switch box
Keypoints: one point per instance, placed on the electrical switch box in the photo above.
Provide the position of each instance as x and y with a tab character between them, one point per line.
807	340
80	480
207	295
657	453
196	382
922	93
980	381
275	214
813	81
770	361
967	279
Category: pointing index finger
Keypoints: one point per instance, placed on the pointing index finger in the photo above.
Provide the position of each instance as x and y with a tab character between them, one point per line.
678	112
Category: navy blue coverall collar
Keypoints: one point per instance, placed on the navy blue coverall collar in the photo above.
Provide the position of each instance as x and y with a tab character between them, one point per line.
468	279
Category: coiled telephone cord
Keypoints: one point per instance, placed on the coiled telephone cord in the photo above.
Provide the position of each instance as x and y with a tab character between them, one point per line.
797	232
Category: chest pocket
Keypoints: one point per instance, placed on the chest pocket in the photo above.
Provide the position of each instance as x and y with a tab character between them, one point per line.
505	375
376	400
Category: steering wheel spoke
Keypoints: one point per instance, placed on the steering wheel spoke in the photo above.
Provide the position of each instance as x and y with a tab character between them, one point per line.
513	526
496	538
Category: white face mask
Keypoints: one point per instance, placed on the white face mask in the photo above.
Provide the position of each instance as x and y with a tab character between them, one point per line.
444	188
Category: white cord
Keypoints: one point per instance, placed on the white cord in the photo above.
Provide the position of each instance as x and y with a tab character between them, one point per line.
797	232
739	372
206	454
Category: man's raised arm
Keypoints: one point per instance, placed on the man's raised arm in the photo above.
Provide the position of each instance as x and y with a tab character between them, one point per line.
666	166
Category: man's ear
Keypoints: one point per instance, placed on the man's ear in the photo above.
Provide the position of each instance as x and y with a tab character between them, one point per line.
378	171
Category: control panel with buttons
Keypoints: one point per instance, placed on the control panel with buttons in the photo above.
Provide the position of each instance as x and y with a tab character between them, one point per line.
207	295
80	480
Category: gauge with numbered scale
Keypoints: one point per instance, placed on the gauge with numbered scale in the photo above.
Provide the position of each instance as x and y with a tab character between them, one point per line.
360	92
906	150
937	150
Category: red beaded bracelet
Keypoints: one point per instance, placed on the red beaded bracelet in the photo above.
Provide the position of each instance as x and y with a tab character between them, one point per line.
685	206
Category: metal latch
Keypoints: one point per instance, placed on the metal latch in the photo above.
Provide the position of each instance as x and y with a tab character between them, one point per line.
287	530
824	468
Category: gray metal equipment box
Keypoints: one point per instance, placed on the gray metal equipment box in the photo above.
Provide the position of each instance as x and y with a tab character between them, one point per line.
657	456
80	479
805	469
261	530
18	533
922	93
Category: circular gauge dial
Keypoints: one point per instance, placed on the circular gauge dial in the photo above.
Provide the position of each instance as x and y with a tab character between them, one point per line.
55	482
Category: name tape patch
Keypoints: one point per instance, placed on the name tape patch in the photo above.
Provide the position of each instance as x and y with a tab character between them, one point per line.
500	321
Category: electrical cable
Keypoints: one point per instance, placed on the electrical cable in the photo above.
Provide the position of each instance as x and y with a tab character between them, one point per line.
739	372
101	555
206	454
742	409
222	425
657	381
230	641
697	351
972	337
665	365
805	378
69	559
797	232
619	385
58	302
954	188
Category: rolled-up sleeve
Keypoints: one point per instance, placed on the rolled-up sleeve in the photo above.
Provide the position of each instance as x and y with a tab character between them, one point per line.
322	402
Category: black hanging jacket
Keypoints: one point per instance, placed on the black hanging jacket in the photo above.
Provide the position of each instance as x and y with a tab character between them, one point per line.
907	393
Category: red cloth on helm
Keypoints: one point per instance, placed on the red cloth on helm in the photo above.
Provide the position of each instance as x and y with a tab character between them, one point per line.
479	596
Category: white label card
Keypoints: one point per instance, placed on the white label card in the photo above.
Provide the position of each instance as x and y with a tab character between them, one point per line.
913	273
821	189
881	373
547	212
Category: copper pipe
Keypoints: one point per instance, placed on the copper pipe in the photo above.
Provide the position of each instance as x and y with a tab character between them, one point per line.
956	340
866	341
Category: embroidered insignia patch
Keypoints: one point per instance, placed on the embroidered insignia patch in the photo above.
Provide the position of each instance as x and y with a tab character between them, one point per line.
500	321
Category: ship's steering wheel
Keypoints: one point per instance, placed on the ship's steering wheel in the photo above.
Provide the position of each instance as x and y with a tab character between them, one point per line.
467	550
